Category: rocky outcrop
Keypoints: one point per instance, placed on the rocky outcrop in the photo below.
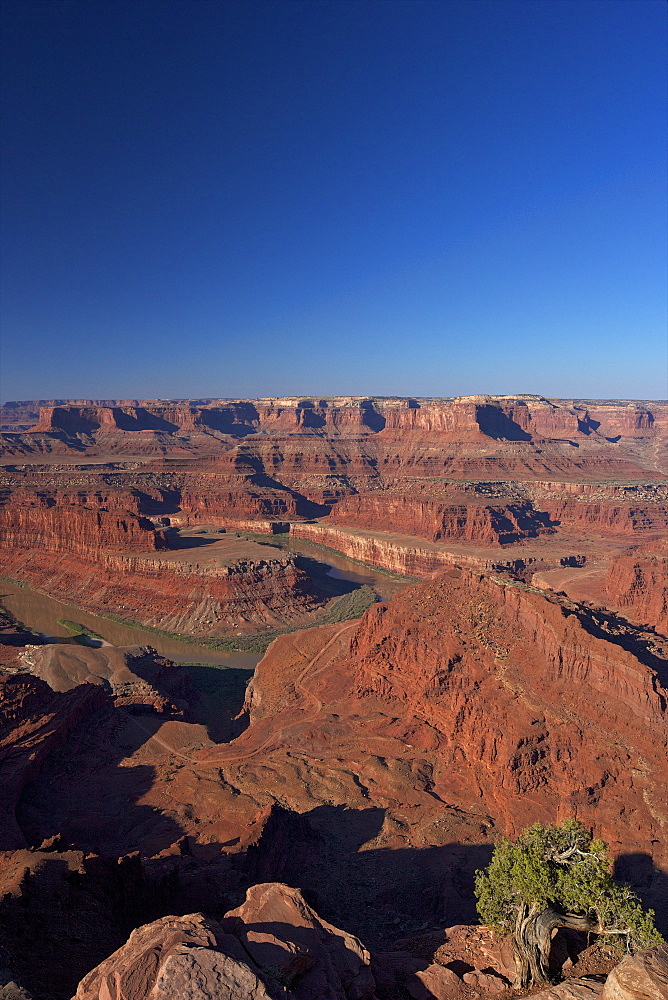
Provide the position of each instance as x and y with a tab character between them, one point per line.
276	946
273	946
639	977
569	640
133	676
213	501
586	988
515	624
94	546
637	581
513	418
280	931
13	638
630	420
462	513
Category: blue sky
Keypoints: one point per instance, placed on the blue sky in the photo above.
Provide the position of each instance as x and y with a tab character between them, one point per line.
356	196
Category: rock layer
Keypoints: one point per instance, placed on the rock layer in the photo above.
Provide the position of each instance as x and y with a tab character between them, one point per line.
173	596
44	522
637	580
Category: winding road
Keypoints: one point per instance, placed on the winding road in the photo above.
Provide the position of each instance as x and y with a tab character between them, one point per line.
275	737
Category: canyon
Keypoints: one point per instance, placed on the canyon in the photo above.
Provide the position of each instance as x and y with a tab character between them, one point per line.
514	670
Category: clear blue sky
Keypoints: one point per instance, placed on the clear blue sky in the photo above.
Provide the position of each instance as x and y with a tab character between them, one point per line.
334	196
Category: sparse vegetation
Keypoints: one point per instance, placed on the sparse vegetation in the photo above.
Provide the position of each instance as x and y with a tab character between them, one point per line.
348	606
551	877
79	632
17	583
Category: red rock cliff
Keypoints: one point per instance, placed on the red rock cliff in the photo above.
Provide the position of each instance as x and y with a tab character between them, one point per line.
535	699
637	580
178	597
45	522
469	520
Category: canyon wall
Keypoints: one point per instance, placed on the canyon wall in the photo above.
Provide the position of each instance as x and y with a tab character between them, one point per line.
397	556
463	419
83	526
637	581
182	597
325	449
546	707
467	706
468	520
211	500
503	523
609	517
410	556
87	547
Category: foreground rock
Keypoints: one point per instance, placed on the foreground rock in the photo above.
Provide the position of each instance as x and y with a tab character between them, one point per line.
639	977
587	988
273	946
175	957
280	931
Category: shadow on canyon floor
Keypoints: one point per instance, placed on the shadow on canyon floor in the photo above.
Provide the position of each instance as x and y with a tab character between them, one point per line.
71	913
377	894
87	792
176	540
219	699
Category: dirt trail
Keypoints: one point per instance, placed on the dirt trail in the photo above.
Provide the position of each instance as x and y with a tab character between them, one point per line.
275	737
655	458
299	686
158	739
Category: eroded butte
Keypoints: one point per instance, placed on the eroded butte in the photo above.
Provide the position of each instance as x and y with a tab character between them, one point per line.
515	671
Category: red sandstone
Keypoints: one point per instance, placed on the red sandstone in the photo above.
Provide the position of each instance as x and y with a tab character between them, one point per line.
381	758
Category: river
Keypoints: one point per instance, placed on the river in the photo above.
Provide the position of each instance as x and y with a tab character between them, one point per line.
343	568
41	613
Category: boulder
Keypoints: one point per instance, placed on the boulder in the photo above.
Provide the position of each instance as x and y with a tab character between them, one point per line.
176	957
639	977
587	988
283	935
272	946
435	983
